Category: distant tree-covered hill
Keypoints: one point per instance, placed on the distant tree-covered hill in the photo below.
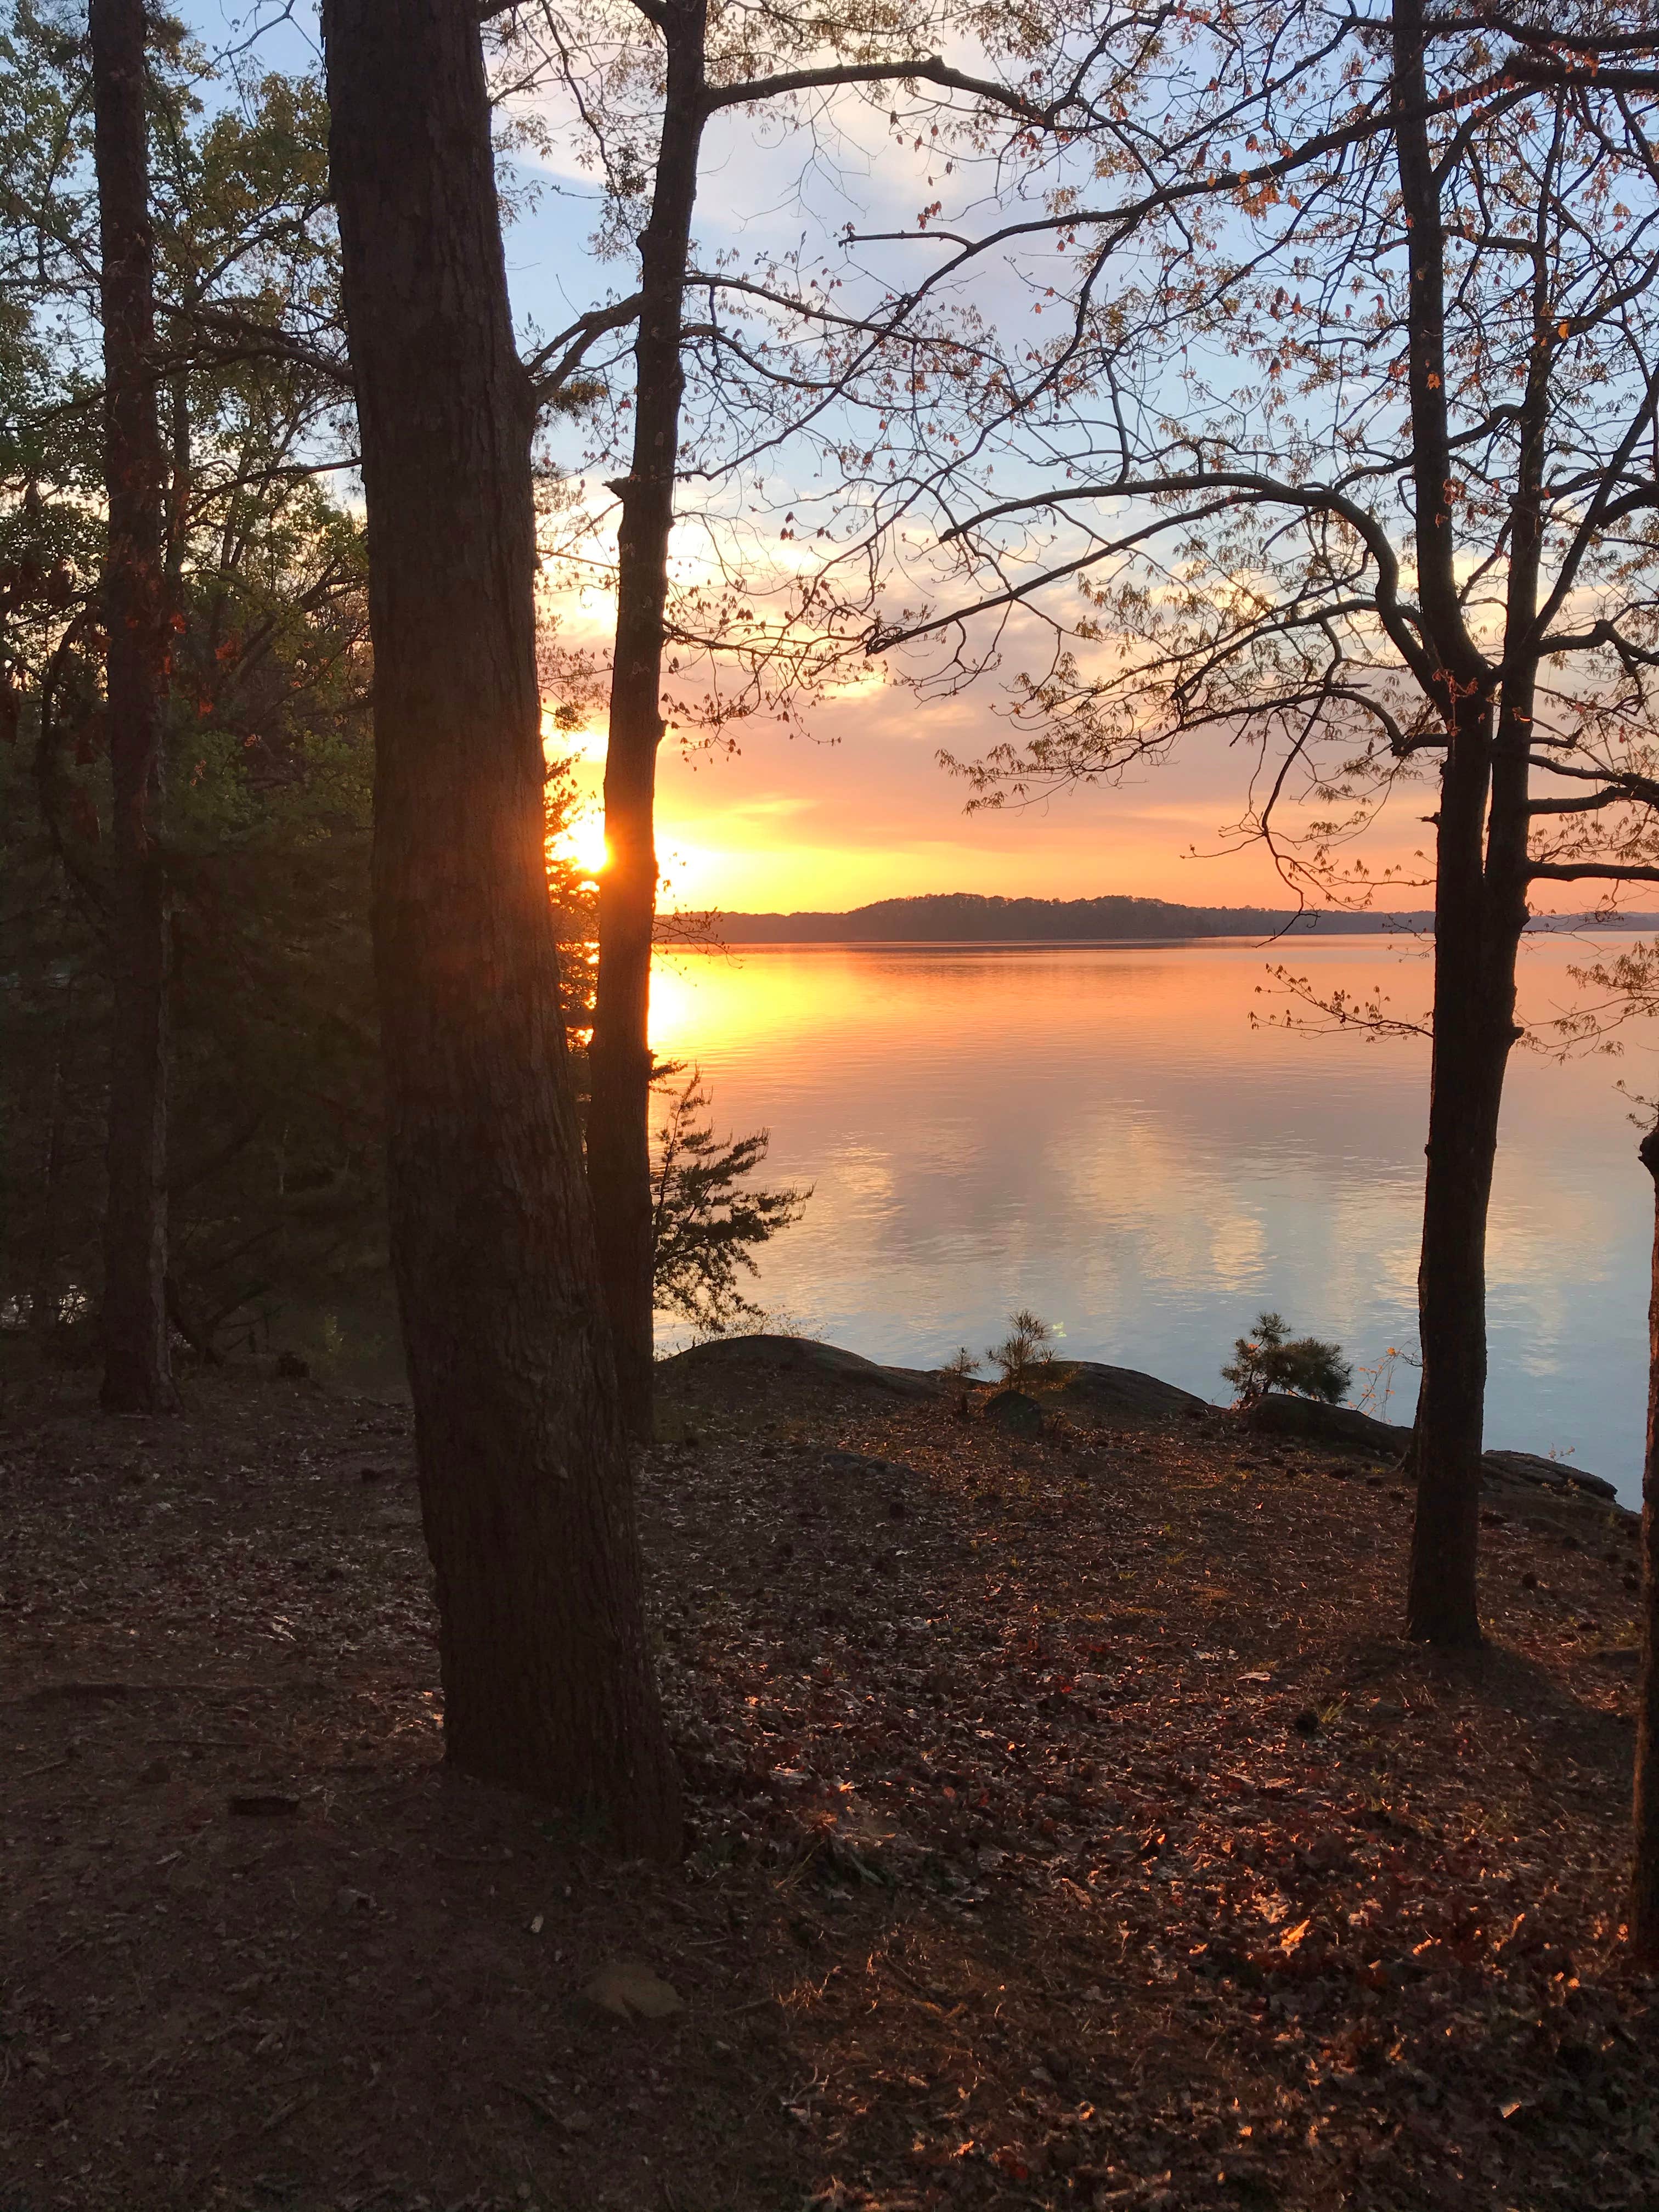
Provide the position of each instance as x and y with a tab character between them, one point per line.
958	917
969	917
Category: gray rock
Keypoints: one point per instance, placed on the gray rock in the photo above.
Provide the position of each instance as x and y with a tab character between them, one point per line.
1547	1473
1343	1428
799	1355
1014	1412
1122	1397
1112	1397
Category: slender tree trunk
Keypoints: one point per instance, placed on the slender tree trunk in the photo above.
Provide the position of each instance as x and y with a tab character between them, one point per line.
43	1299
525	1486
1480	913
1480	881
137	1375
1644	1874
1472	1041
618	1128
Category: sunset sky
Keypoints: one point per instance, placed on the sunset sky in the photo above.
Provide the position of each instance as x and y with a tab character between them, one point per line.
862	811
858	809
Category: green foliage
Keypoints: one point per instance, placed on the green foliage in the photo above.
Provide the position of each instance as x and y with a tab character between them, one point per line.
264	820
1270	1358
709	1219
275	1167
1026	1352
274	1152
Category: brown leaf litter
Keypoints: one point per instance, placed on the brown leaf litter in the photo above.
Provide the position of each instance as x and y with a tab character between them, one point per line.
1070	1828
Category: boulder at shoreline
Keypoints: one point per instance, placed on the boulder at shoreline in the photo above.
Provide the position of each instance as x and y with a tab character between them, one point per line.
1346	1428
800	1356
1093	1393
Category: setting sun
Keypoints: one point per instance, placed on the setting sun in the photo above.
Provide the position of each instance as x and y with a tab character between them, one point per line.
583	842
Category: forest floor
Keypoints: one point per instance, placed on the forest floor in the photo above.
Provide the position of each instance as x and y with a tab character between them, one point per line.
1069	1827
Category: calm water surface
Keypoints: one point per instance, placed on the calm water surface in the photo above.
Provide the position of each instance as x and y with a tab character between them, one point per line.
1101	1135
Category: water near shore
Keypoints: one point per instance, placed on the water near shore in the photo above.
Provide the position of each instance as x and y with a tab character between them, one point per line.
1100	1134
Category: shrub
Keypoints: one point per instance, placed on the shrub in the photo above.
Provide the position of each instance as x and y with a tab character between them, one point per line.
1270	1358
1025	1352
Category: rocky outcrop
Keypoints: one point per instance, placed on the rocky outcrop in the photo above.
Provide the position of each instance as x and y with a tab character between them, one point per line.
799	1356
1121	1397
1558	1475
1343	1428
1096	1395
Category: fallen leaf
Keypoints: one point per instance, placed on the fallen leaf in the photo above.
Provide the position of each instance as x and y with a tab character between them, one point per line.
633	1992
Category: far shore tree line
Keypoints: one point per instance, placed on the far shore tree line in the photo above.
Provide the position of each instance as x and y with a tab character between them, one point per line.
1283	379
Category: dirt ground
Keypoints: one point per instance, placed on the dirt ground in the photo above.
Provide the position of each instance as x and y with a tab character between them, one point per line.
1069	1829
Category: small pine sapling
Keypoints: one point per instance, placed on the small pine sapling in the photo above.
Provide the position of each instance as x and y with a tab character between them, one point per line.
1025	1352
1271	1358
708	1217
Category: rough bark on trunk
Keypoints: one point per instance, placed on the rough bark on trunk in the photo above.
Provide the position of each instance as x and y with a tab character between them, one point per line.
1644	1870
525	1486
618	1129
1480	912
137	1375
1465	1093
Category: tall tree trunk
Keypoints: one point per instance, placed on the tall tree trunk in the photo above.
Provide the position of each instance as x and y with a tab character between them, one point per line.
1644	1872
1479	906
137	1374
1471	1040
525	1486
618	1128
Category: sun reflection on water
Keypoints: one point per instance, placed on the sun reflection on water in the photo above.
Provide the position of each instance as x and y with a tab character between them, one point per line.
1102	1135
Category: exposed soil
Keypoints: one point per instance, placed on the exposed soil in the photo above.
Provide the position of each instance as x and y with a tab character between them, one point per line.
1069	1829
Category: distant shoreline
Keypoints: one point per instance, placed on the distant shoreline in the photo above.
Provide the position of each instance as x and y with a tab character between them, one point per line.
721	942
939	921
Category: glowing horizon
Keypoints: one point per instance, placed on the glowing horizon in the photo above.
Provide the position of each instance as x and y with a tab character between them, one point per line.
789	825
861	810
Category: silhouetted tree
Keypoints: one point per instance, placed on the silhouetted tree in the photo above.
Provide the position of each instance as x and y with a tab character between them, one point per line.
1345	450
1644	1879
662	69
137	1371
524	1465
707	1217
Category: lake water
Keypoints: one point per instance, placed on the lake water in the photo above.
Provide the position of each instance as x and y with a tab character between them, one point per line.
1101	1135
